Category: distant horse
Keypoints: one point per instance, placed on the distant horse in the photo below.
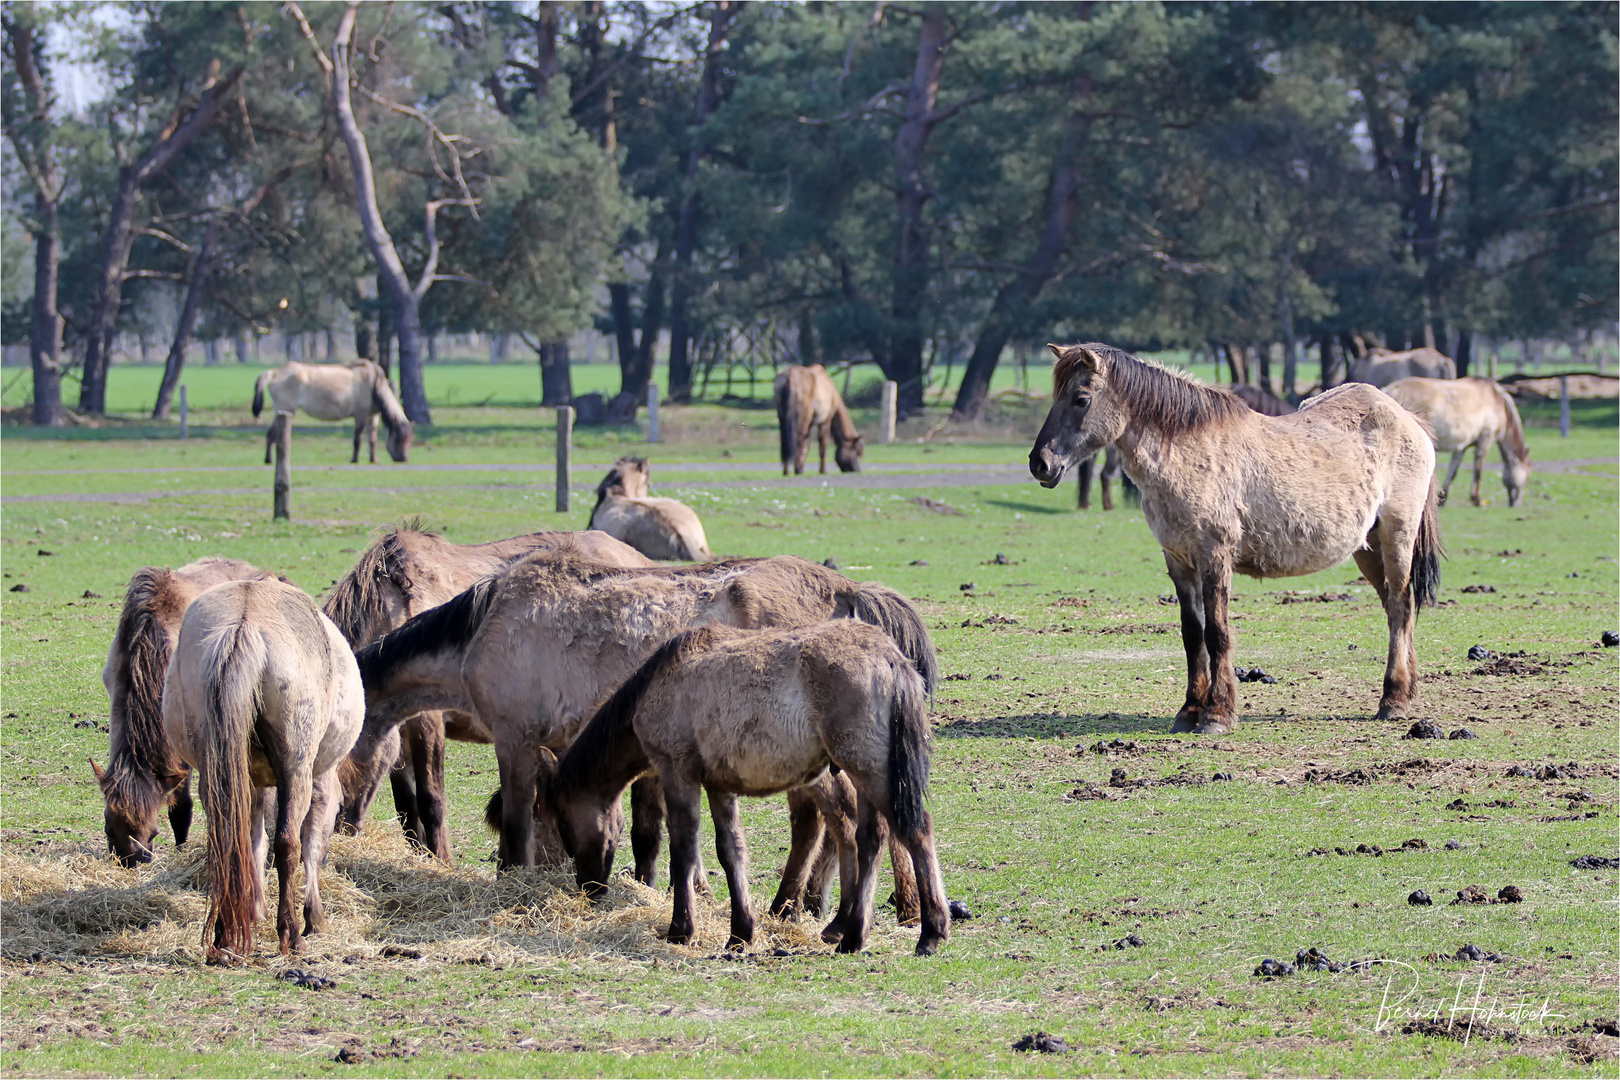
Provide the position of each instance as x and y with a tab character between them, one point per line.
1470	412
1225	488
337	392
658	528
1382	368
754	712
262	692
143	773
403	573
1263	401
532	650
806	398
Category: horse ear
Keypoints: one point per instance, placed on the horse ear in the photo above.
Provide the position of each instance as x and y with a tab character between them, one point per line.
1055	350
101	774
548	762
1090	359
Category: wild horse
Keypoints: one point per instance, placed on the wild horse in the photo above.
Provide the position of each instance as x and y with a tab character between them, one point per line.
1470	412
337	392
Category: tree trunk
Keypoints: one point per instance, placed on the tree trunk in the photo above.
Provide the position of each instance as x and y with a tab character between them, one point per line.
187	319
624	328
556	379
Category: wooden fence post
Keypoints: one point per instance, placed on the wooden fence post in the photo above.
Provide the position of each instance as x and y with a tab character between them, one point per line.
283	488
565	438
652	411
891	400
1563	405
185	419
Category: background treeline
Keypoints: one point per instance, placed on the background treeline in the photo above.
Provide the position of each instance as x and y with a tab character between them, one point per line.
919	186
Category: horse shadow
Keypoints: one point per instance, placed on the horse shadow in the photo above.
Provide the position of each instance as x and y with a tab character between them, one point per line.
1056	726
1030	507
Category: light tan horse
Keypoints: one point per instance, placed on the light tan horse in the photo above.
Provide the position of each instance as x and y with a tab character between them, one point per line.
658	528
337	392
806	398
755	712
405	572
1470	412
143	773
1379	368
1227	489
262	692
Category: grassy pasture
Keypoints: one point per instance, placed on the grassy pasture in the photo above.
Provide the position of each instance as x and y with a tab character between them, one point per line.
1065	647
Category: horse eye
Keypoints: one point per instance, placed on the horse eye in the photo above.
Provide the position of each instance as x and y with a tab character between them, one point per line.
1082	399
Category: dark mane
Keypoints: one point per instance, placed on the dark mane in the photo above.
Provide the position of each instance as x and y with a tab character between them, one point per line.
142	754
449	626
356	600
1165	400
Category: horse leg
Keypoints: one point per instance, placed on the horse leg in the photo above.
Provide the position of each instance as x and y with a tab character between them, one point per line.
1219	715
294	793
270	438
402	781
1084	473
371	437
803	451
264	801
1110	470
930	885
732	847
868	846
681	803
354	457
180	811
835	799
821	439
1451	473
1189	592
427	760
323	810
1481	449
804	852
1387	563
646	827
518	771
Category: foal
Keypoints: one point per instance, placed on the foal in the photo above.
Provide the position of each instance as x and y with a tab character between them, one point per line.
755	712
1226	489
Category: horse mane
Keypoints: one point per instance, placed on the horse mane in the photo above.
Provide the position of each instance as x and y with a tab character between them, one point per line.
1172	402
382	396
613	482
882	607
1514	433
142	754
356	599
449	626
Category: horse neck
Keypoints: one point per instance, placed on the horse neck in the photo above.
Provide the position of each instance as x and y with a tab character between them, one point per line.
1512	427
392	414
843	426
612	769
425	683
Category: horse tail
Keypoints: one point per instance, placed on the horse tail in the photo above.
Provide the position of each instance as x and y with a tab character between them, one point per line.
494	812
882	607
908	754
449	626
1426	552
787	419
258	391
232	663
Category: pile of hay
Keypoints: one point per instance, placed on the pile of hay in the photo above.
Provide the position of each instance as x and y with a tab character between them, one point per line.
380	894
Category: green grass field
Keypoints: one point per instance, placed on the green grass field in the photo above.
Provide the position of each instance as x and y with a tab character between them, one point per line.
1063	665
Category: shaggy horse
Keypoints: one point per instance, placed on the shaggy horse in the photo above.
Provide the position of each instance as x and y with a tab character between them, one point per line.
1263	401
532	650
1470	412
806	398
1383	368
262	692
658	528
754	712
337	392
403	573
143	774
1225	489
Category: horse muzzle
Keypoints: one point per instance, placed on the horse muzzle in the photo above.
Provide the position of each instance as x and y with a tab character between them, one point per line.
1045	469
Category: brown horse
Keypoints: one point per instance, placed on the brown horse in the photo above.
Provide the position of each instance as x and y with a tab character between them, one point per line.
403	573
1225	489
337	392
806	398
658	528
262	692
143	774
532	650
1470	412
754	712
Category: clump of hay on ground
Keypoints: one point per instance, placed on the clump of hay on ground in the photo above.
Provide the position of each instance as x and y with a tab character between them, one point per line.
381	897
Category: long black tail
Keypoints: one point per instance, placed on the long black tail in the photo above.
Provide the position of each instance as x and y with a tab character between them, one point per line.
787	422
908	753
892	613
258	392
451	625
1426	552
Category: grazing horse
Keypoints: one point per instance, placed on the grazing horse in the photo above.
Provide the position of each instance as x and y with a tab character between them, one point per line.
806	398
337	392
403	573
754	712
143	773
1470	412
1225	488
1263	401
1383	368
262	692
533	649
658	528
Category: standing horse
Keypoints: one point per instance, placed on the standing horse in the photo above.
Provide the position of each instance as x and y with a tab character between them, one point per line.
143	773
404	573
1382	368
658	528
337	392
262	692
754	712
1263	401
806	398
532	650
1470	412
1224	488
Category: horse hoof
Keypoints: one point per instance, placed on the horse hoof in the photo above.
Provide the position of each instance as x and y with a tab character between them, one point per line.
1186	720
850	945
1214	726
1392	710
678	937
833	934
927	946
737	944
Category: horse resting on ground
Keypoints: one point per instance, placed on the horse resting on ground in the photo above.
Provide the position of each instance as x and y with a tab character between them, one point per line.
262	692
1470	412
658	528
806	398
754	712
143	773
532	650
1225	488
403	573
336	392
